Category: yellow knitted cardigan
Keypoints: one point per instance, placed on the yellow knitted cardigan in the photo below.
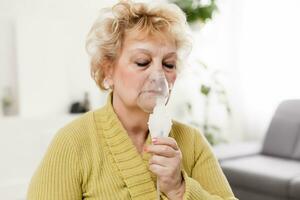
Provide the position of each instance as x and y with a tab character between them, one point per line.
94	158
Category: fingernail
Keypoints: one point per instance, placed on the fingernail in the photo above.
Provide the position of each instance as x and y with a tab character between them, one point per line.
154	140
145	148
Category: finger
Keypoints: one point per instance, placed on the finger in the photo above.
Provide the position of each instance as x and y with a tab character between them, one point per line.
165	141
161	160
162	150
157	169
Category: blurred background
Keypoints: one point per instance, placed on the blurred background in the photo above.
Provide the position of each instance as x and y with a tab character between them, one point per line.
244	62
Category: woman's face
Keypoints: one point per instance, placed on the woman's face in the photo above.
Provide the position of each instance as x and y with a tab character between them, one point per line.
139	58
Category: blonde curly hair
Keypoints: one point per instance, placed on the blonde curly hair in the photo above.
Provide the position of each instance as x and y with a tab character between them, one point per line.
105	38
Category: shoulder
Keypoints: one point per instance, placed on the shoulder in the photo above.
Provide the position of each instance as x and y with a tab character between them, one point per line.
75	134
189	137
184	131
77	127
184	135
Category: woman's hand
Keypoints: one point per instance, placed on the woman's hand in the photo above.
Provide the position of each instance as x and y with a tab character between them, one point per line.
165	163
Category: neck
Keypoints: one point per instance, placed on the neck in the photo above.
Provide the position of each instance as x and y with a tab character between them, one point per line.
135	121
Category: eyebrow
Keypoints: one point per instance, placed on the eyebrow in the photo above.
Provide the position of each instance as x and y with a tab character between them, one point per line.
149	52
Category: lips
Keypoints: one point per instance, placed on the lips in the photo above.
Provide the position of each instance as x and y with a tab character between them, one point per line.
151	91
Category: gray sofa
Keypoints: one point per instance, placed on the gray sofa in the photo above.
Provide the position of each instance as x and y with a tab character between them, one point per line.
273	171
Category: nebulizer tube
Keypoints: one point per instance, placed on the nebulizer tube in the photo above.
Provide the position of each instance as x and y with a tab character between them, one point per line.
152	99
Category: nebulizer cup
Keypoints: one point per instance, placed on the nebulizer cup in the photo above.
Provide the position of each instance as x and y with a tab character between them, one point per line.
152	99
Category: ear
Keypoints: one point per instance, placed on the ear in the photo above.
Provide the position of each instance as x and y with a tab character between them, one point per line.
108	69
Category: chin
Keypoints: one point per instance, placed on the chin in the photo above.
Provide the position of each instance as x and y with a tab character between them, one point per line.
146	102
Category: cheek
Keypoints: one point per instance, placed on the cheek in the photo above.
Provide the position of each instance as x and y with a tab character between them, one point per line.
125	79
129	80
171	78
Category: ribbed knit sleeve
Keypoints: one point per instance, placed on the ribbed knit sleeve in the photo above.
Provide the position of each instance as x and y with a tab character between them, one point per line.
207	180
58	176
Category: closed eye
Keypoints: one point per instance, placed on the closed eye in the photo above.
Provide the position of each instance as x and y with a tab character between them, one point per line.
142	64
169	66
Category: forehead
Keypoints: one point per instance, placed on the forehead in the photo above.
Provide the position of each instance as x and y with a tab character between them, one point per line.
155	43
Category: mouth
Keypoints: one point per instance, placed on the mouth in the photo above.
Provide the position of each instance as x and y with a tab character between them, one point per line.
151	92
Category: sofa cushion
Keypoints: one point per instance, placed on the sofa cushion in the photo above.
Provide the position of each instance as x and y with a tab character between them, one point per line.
265	174
281	137
296	154
295	188
244	194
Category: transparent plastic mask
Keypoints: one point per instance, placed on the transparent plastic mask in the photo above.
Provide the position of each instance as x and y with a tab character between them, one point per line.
155	87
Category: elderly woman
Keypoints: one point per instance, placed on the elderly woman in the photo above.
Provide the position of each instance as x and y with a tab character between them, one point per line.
108	153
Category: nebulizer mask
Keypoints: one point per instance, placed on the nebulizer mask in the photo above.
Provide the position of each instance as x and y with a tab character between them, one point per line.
153	97
155	88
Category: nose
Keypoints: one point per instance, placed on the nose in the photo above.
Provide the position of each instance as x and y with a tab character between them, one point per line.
157	76
158	82
157	71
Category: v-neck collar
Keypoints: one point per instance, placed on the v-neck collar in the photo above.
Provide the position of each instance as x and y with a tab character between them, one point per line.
132	165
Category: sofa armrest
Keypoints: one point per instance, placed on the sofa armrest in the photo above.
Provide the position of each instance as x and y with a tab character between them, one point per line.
236	150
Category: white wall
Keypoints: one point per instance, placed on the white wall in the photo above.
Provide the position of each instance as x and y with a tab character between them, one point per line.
8	67
216	45
257	44
268	58
42	55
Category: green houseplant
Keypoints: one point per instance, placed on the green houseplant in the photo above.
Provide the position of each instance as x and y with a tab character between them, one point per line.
216	87
213	96
198	10
6	101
